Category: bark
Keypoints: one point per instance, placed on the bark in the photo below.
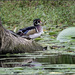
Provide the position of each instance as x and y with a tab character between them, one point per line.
10	43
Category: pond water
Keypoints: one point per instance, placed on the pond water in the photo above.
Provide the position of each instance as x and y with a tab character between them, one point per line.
38	63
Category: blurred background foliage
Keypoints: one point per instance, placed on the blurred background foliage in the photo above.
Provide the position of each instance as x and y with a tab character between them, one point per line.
16	14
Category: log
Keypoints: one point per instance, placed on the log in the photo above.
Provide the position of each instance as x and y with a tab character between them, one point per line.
10	43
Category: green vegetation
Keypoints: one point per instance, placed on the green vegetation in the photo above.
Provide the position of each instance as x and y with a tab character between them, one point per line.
21	13
59	58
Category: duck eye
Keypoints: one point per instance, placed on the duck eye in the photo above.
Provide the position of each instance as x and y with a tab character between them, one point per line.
39	21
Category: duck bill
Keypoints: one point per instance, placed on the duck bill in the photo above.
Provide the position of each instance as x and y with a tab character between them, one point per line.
40	22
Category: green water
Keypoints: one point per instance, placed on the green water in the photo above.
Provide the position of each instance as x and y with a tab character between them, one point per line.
38	63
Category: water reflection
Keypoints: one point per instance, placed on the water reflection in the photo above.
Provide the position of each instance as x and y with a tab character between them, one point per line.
29	60
60	59
52	63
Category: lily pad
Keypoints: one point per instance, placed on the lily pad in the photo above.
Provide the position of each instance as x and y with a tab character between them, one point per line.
38	39
66	35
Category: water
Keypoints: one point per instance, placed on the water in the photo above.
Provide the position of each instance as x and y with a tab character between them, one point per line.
49	63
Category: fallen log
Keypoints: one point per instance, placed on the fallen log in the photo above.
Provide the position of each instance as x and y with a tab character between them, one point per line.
10	43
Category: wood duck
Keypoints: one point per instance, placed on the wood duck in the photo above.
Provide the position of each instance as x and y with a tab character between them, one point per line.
32	31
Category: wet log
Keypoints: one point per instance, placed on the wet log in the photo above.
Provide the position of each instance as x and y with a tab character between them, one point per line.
10	43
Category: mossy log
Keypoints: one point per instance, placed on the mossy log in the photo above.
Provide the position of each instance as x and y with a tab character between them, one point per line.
15	44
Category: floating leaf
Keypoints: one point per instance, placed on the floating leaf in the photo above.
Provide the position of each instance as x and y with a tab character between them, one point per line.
52	33
54	73
66	35
38	39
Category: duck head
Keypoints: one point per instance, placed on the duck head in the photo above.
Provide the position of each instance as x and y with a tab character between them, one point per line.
36	22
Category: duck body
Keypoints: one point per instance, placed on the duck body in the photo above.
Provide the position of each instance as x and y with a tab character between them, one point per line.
32	31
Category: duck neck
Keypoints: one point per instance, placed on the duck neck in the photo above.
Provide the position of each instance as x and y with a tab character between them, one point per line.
39	28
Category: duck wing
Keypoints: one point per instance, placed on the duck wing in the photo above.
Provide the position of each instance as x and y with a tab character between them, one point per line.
30	32
27	31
